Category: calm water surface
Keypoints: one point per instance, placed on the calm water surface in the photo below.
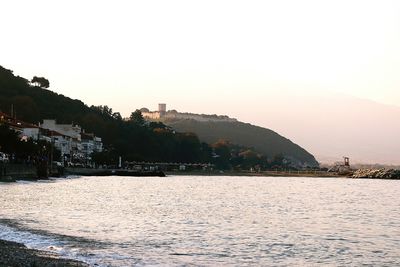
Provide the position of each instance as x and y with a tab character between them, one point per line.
208	221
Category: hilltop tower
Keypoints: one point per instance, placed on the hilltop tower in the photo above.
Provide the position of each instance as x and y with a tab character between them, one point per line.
162	108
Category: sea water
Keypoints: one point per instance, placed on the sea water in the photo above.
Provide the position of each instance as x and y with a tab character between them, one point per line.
207	221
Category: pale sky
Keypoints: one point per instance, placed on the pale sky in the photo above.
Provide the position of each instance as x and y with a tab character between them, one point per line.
205	56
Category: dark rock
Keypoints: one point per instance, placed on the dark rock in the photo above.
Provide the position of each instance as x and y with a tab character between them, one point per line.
377	173
15	254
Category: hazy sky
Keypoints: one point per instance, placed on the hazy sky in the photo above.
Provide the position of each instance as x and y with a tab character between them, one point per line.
205	56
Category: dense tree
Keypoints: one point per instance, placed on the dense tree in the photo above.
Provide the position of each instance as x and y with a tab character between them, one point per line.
24	150
40	82
104	110
260	139
137	117
117	116
8	139
222	154
133	140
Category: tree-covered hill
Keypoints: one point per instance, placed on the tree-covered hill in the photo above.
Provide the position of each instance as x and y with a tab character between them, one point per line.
263	140
132	139
245	145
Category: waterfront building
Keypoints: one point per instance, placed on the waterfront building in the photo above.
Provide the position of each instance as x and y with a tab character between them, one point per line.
71	130
82	144
60	141
71	140
25	130
90	144
98	144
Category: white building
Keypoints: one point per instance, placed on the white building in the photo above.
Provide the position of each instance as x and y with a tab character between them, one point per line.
67	138
30	132
98	144
71	130
73	142
62	143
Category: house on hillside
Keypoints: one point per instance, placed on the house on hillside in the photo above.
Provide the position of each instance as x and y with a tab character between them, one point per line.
62	142
71	130
71	140
82	144
90	144
26	130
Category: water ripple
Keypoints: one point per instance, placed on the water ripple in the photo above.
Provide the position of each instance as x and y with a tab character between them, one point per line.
208	221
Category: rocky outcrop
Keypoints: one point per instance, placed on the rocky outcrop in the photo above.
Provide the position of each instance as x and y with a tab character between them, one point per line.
377	173
341	170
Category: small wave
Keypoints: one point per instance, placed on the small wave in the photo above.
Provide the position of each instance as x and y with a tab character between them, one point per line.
45	181
45	243
72	177
24	182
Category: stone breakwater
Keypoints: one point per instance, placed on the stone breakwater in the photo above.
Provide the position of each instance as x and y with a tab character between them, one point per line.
377	173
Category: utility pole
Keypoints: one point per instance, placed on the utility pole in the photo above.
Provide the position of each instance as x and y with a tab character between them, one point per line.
51	154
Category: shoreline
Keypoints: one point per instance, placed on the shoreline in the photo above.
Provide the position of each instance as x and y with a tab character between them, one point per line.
300	174
310	174
17	254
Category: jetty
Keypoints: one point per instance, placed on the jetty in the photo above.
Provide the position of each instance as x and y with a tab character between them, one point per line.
113	172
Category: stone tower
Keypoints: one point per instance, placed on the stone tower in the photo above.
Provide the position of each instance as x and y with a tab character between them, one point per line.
162	108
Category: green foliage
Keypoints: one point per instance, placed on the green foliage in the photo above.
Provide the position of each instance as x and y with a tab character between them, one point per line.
40	82
9	140
105	157
264	141
137	118
138	140
134	140
230	156
222	154
22	150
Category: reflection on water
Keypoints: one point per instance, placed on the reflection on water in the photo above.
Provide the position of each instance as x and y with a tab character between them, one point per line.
122	221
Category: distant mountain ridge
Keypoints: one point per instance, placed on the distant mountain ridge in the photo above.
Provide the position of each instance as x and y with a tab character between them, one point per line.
263	140
332	126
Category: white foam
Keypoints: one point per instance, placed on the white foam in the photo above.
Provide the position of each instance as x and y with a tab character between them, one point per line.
41	242
24	182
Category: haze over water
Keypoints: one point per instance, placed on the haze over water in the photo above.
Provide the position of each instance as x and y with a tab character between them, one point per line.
124	221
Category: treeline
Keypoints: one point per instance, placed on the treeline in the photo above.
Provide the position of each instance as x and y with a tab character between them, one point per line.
137	140
230	156
262	140
133	139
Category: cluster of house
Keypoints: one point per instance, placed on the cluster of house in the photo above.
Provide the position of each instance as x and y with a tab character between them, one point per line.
75	145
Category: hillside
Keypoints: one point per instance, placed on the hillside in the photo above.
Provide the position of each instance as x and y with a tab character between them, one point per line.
132	139
261	139
32	104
